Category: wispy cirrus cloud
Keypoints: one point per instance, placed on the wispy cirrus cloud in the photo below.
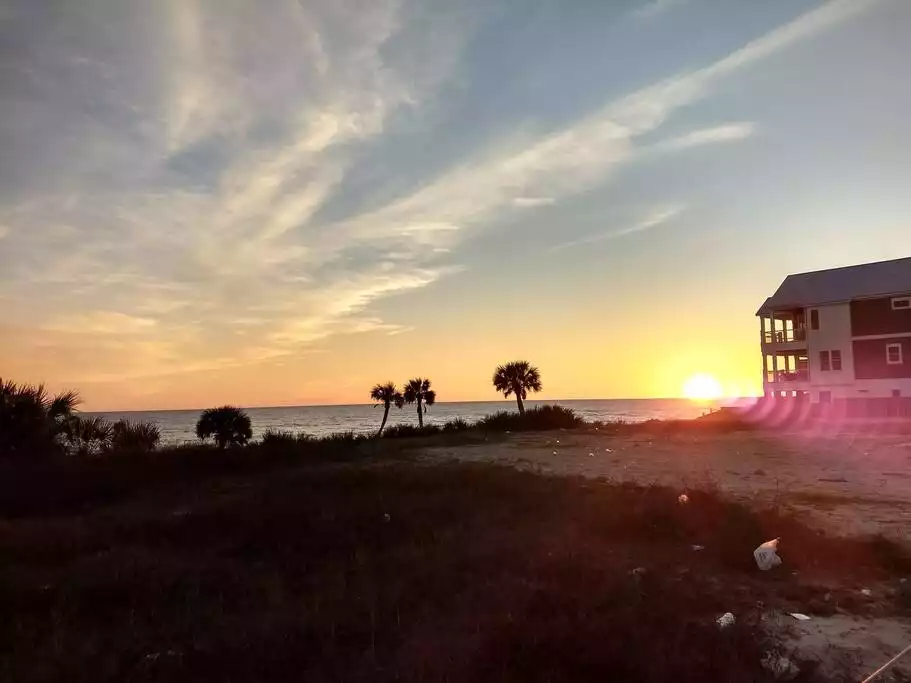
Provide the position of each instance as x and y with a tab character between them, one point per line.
731	132
652	219
654	8
533	202
171	204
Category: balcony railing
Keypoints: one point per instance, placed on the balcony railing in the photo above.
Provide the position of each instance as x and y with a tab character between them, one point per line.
785	336
774	377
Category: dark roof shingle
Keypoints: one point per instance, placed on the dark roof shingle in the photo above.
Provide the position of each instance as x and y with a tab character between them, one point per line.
841	284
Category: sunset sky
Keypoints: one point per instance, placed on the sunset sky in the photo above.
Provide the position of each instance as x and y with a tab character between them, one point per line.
283	202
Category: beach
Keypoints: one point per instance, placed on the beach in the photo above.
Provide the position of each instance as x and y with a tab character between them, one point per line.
846	484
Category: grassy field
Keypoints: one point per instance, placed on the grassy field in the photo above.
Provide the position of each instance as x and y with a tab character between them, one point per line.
379	569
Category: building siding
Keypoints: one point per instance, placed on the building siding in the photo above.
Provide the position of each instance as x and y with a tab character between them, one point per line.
834	334
875	316
870	358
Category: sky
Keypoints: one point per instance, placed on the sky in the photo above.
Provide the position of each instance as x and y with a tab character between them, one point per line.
284	202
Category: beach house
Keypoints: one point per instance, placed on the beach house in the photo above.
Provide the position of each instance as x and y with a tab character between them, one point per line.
840	339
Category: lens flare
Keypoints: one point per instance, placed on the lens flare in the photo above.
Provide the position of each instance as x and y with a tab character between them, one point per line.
702	387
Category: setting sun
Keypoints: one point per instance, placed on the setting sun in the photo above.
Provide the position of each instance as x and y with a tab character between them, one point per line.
702	388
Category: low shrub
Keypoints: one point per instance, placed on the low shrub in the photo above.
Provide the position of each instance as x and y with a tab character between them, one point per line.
456	425
342	439
275	438
409	430
536	419
134	437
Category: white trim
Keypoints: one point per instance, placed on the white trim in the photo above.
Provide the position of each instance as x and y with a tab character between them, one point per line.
904	303
889	360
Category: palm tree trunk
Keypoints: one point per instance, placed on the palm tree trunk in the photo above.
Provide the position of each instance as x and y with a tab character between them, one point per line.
521	405
385	415
420	414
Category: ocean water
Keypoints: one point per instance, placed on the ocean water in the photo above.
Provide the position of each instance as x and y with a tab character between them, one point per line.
179	426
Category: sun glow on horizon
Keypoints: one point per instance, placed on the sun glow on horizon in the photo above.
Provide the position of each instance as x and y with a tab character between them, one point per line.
702	387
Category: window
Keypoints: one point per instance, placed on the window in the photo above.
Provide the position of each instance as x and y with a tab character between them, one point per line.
901	303
894	354
814	319
836	360
825	396
896	393
824	364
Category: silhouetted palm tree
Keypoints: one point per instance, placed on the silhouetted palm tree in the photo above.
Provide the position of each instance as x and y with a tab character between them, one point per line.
418	391
228	425
387	394
518	377
31	421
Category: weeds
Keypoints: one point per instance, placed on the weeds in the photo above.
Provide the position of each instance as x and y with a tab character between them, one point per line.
540	418
402	573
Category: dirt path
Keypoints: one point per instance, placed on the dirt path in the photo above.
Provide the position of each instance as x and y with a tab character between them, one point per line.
848	485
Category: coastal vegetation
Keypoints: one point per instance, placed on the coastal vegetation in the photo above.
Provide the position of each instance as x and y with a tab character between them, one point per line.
228	426
418	392
387	395
517	378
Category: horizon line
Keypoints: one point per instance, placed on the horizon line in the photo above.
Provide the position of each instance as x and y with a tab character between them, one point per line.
721	399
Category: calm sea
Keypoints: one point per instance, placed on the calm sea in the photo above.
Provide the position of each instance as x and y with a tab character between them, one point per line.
178	426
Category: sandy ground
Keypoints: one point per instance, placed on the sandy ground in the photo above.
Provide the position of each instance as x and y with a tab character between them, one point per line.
845	484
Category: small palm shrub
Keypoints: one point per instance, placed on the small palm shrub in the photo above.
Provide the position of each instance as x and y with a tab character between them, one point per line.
31	421
134	437
86	436
227	426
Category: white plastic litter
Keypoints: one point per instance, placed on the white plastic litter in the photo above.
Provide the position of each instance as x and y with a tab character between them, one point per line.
766	555
726	620
800	617
683	498
386	517
866	592
697	547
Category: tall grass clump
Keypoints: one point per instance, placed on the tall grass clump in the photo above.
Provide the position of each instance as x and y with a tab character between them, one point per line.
541	418
409	430
456	425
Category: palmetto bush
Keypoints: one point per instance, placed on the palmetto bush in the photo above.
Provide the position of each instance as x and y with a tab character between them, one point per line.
32	421
134	437
86	436
227	426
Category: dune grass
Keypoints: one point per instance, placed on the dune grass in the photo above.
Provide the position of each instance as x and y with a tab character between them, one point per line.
401	572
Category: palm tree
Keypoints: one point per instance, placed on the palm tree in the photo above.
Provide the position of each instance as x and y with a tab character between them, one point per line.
228	425
387	394
518	377
418	391
31	421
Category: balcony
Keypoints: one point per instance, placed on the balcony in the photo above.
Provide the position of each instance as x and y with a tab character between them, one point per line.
785	336
784	376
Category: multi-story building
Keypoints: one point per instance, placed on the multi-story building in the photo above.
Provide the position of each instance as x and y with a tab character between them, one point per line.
841	336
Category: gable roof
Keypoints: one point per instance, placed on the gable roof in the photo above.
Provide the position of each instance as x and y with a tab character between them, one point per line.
841	284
